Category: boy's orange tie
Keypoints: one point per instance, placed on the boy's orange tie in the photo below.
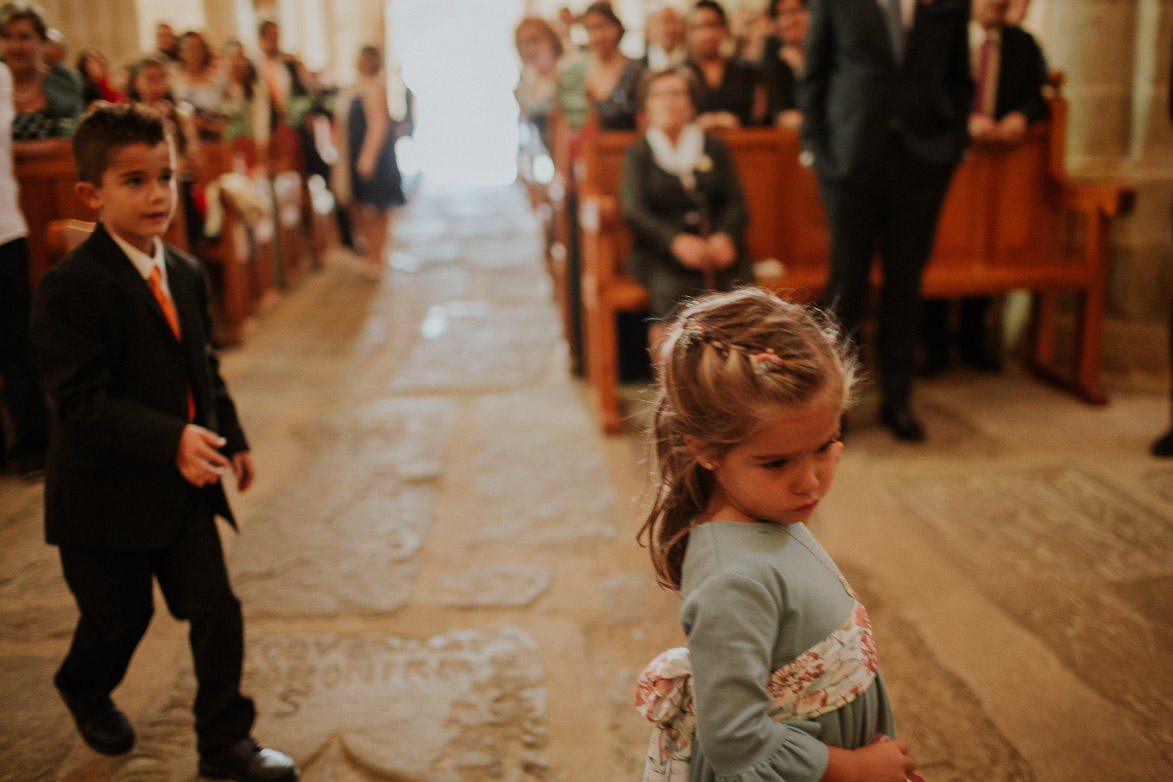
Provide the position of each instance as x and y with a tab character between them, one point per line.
155	280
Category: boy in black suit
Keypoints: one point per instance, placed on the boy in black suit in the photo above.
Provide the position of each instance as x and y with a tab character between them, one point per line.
142	430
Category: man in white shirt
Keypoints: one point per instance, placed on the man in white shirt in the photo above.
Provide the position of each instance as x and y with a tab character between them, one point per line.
22	391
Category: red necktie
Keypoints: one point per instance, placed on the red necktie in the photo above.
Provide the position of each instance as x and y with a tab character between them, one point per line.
155	280
985	73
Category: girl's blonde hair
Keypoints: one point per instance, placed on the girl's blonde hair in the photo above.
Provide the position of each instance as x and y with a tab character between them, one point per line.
725	365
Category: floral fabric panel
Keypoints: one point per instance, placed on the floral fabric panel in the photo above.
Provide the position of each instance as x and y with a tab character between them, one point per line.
827	677
663	694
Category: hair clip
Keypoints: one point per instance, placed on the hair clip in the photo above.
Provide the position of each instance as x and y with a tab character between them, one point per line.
691	334
765	361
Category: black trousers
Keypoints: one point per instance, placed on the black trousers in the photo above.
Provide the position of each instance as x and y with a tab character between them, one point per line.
894	207
113	594
22	391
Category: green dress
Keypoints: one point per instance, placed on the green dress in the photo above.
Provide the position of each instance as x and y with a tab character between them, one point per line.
754	600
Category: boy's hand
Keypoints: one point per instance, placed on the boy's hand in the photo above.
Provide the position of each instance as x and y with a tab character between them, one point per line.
242	468
197	459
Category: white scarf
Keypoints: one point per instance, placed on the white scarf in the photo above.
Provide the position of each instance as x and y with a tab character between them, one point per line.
680	160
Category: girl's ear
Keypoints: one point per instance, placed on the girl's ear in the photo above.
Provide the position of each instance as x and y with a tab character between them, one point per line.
701	451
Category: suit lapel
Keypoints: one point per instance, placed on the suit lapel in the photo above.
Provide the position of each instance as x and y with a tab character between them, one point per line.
108	252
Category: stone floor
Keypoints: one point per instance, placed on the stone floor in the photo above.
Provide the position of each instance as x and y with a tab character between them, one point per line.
441	581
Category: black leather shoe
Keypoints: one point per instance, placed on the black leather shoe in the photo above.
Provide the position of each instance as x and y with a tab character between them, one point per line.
103	727
1164	446
982	360
247	761
902	423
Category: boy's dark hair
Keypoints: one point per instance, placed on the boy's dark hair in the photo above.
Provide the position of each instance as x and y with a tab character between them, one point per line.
109	127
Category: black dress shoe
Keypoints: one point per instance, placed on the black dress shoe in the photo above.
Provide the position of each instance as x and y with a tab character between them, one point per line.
902	423
934	364
982	360
1164	446
247	761
103	727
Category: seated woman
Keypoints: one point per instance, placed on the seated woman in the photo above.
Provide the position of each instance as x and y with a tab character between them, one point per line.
95	76
783	59
681	197
150	85
732	93
200	85
605	79
245	107
540	49
46	102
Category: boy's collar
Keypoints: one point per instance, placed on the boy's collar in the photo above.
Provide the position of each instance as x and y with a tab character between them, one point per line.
143	262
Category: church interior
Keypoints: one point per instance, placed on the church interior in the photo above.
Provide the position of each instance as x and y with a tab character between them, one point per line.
438	562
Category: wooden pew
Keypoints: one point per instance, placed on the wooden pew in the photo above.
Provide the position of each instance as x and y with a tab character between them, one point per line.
240	256
47	178
1013	219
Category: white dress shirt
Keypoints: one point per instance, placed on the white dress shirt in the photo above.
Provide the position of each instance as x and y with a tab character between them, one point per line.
143	263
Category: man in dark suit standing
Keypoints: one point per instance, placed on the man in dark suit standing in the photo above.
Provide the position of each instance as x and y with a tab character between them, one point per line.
885	97
142	430
1009	72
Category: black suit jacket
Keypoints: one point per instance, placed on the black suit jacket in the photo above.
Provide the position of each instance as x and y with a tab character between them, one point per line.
1022	74
117	381
854	95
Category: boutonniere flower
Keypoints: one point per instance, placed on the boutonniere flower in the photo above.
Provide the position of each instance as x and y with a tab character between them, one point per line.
704	164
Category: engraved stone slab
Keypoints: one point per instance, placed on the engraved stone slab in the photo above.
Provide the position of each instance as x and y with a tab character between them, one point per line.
499	585
468	346
466	706
342	532
1065	524
543	482
36	732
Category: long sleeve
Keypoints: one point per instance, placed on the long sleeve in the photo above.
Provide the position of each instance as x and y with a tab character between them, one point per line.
813	82
74	361
651	230
732	622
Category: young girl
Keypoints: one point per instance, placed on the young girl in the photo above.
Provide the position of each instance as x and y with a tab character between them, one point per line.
784	681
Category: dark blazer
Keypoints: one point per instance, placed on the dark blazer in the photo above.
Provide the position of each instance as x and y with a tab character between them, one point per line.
117	381
1022	75
656	207
734	94
853	93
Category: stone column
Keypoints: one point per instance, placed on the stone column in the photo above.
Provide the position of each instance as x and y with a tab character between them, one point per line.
114	31
1116	54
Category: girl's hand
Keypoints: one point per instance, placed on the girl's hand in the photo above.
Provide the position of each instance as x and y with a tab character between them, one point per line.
887	761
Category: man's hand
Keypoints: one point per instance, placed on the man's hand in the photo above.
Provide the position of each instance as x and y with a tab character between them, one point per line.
981	127
1012	127
242	468
690	250
198	459
722	251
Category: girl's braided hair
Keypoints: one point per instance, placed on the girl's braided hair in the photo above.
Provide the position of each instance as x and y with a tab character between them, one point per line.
725	365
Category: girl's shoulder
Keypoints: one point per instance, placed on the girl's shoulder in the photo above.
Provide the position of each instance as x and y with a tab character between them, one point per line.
722	551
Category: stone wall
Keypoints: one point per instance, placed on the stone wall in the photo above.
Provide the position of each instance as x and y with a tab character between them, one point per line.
1116	56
